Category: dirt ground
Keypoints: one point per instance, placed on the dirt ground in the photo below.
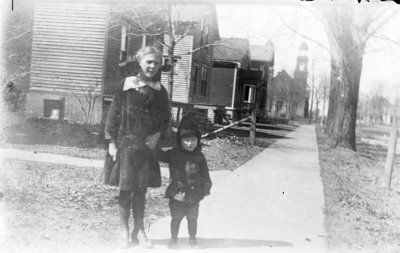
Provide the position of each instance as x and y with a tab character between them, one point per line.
361	214
60	208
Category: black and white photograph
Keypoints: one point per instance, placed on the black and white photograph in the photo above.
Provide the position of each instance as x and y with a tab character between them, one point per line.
199	126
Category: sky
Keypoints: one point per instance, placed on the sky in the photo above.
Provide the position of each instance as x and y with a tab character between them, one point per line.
263	22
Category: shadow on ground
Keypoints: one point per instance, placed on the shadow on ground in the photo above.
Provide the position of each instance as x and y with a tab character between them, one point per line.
205	243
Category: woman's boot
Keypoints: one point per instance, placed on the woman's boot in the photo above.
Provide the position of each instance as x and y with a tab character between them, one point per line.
138	233
124	208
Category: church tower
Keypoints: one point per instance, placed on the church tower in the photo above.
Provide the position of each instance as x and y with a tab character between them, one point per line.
301	74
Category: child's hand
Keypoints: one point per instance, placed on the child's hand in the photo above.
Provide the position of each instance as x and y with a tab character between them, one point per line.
151	140
180	196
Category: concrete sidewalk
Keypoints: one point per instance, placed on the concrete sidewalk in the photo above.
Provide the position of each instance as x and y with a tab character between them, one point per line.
273	203
27	155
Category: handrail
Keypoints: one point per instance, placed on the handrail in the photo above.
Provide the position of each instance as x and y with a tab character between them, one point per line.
225	127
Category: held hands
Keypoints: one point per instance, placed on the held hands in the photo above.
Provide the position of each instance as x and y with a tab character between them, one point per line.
180	196
112	150
151	140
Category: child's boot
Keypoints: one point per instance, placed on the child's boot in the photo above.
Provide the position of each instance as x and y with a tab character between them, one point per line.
193	242
173	243
192	227
175	223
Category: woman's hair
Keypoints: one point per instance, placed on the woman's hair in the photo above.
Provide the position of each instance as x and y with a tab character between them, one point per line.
147	50
131	66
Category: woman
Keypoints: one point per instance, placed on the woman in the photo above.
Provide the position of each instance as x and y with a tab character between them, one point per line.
138	116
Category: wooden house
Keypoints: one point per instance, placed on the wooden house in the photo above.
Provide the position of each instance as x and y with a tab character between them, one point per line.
192	83
230	57
77	48
262	59
240	76
67	60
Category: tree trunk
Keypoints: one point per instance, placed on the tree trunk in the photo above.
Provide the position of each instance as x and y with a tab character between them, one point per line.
171	72
323	110
172	42
347	49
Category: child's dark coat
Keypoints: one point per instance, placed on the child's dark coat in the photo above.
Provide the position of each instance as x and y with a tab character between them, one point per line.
189	173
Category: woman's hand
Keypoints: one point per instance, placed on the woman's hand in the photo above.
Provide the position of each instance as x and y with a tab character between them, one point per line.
112	150
151	140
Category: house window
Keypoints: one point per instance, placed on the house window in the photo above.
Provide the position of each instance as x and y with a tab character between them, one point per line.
53	108
204	77
175	64
196	73
249	94
124	44
194	78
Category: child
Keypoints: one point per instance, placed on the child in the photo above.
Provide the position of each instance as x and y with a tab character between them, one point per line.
189	179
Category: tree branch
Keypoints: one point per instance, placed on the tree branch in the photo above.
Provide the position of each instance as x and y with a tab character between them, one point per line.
183	35
302	35
379	25
205	46
16	37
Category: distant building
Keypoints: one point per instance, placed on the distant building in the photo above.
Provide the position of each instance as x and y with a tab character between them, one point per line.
280	104
300	80
240	75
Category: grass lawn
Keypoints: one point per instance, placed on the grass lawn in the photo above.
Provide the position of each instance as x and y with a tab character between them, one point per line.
64	208
360	214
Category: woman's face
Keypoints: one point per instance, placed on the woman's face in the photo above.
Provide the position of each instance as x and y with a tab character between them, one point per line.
150	65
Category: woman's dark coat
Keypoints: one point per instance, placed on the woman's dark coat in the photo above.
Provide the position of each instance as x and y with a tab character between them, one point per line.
135	114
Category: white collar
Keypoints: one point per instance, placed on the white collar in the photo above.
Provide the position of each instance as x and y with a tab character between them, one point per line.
133	82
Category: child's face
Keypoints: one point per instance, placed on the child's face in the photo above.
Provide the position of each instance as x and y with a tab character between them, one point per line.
189	143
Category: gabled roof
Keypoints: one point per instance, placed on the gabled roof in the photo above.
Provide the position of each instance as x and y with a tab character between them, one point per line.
192	12
231	49
283	76
197	17
263	53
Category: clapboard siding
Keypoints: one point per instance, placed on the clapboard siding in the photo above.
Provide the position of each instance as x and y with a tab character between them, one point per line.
68	58
68	46
182	78
221	86
73	106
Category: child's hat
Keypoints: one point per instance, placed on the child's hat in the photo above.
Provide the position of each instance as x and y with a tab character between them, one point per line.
188	127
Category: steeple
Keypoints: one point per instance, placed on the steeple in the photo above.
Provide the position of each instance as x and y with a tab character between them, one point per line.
302	58
301	74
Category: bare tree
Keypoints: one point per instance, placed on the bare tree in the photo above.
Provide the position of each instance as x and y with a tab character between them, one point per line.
160	23
321	95
16	46
348	27
87	98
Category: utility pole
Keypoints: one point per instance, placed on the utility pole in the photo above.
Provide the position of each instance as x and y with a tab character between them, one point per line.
312	94
392	146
